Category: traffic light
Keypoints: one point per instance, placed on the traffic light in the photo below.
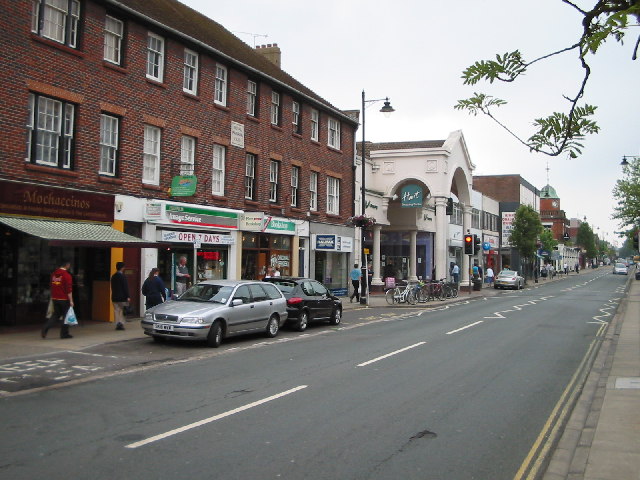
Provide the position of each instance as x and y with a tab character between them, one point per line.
449	208
476	244
469	244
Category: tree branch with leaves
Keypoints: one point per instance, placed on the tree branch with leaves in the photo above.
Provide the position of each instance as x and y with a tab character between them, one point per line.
561	131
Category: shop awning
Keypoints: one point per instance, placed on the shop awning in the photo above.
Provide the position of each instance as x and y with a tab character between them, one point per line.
80	234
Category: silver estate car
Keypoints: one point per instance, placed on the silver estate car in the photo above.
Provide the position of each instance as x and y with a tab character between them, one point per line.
216	309
509	279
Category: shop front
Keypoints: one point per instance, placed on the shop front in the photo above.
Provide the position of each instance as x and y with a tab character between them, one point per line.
331	256
203	239
40	228
395	254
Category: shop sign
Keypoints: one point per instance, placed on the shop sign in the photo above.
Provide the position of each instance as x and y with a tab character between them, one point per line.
204	217
237	134
29	200
153	211
507	225
340	292
411	196
251	221
184	186
195	238
275	225
332	243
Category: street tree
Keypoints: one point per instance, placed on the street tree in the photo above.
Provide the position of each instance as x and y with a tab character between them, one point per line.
627	249
561	131
547	240
586	240
627	194
525	230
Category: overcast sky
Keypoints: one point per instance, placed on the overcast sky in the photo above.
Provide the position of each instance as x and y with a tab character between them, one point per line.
414	52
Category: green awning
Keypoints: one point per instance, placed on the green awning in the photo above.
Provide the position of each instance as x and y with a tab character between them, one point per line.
80	234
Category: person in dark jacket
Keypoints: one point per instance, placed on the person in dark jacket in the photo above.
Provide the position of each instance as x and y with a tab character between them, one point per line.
119	295
153	289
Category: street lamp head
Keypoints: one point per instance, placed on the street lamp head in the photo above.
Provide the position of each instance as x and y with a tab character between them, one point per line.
387	109
624	161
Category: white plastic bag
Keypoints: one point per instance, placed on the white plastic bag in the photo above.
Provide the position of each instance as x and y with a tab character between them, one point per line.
70	317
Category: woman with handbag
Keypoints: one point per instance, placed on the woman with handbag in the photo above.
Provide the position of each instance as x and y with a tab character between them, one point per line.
119	295
153	289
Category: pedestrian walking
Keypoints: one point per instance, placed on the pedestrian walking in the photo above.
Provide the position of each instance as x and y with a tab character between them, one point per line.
455	273
490	276
119	295
355	276
62	298
182	276
153	289
566	268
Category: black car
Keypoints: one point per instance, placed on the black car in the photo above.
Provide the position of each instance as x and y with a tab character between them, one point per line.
308	300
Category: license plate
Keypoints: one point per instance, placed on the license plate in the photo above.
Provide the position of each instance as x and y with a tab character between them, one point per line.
162	326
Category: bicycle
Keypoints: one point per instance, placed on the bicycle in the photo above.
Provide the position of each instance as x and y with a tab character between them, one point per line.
401	294
450	289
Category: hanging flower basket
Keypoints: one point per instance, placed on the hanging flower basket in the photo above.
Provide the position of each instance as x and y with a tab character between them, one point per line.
361	221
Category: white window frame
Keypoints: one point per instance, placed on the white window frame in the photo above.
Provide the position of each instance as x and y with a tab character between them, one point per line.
218	170
333	196
151	155
113	35
275	108
274	170
295	184
220	96
315	124
252	97
190	74
333	133
313	191
187	155
56	20
295	110
109	139
155	57
250	176
50	131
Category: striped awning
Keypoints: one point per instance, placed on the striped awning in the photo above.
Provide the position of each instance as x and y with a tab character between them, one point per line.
80	234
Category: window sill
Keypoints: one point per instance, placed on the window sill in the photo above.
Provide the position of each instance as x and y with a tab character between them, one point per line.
296	209
219	198
252	203
296	135
191	96
333	215
156	188
111	180
50	170
58	46
276	127
219	106
315	142
114	67
155	83
253	119
314	212
333	149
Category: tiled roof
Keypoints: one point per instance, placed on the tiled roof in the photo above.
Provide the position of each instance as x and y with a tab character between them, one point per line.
195	26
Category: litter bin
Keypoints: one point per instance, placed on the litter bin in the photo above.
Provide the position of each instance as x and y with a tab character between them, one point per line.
477	284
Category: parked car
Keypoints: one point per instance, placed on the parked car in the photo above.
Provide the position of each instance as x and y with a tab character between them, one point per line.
620	268
509	279
308	300
216	309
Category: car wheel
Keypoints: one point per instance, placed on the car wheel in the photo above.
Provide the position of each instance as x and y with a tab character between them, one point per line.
336	317
214	339
303	320
272	326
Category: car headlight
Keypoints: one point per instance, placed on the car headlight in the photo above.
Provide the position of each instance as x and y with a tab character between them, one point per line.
192	320
148	316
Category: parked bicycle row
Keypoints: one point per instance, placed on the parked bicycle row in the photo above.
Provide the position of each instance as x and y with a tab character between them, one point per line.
421	292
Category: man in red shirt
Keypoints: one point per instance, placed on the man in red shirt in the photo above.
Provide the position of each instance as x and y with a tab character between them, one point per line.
62	296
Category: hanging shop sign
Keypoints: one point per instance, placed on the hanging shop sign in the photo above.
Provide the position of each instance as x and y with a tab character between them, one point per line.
197	238
278	225
252	221
184	186
332	243
411	196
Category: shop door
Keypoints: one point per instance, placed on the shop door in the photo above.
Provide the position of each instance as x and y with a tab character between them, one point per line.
131	259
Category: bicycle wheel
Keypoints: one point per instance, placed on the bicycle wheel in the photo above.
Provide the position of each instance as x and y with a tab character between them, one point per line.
440	292
423	294
411	297
454	290
390	296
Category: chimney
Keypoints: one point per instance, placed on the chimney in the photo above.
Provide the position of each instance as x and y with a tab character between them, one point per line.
271	52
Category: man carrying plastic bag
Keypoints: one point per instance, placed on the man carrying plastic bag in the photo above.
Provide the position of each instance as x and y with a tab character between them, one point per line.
62	298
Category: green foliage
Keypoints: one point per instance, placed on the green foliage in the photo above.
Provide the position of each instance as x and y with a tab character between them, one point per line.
525	230
547	240
627	194
559	132
586	240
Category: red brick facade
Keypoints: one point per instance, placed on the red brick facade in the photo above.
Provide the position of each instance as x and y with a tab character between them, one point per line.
33	64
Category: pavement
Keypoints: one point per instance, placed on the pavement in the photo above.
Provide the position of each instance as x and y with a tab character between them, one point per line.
600	440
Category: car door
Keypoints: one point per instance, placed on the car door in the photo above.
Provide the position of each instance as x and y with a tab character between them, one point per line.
310	299
241	317
262	308
324	300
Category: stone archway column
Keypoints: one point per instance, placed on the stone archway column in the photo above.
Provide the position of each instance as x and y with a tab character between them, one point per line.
377	278
442	227
466	226
413	254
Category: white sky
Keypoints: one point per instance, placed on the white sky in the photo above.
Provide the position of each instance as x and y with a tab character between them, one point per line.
414	52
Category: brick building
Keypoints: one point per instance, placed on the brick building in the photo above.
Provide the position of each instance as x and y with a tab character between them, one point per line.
132	122
551	216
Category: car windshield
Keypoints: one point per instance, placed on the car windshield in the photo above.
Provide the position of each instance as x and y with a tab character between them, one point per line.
507	273
620	265
207	293
285	286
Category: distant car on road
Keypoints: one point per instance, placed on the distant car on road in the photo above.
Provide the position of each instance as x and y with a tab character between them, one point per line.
509	279
308	300
216	309
620	268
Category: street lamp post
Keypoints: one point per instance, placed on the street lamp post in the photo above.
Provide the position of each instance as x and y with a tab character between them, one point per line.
624	161
387	109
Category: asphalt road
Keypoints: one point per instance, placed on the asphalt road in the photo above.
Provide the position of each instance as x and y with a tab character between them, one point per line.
453	393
